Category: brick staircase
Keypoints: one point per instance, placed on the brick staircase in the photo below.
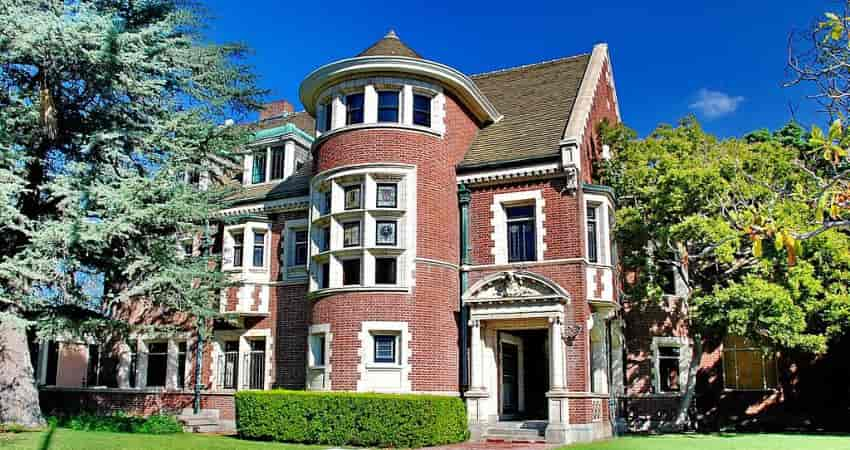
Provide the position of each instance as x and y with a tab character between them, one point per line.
517	431
206	421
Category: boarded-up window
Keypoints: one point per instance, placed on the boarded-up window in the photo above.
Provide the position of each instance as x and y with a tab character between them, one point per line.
747	366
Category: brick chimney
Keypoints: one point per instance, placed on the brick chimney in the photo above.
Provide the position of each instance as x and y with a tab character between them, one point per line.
275	109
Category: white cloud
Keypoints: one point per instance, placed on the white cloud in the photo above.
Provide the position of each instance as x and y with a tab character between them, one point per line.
714	104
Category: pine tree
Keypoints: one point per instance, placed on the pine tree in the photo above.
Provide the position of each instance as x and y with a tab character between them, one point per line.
104	107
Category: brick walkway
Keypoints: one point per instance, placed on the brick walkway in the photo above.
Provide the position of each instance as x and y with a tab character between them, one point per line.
493	445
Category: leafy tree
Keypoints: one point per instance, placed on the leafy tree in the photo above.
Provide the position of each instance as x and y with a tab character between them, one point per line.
104	106
745	225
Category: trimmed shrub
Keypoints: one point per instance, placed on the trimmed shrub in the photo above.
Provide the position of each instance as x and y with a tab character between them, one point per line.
341	418
120	423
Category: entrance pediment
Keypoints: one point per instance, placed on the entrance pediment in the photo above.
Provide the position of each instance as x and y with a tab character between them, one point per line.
520	287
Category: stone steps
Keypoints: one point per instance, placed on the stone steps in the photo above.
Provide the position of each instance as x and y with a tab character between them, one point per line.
519	431
206	421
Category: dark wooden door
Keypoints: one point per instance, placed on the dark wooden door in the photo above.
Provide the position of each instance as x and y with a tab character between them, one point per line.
510	378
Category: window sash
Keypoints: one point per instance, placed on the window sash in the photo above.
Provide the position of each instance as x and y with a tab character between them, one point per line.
181	364
592	235
354	109
386	232
325	239
317	349
259	249
258	168
300	242
351	234
522	240
351	269
157	364
388	106
353	197
278	162
329	115
422	110
387	195
386	271
325	276
385	349
237	249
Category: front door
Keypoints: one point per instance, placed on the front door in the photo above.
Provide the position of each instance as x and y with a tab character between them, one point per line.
510	379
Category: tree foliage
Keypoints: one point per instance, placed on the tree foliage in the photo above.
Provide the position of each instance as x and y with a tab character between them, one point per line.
104	107
742	221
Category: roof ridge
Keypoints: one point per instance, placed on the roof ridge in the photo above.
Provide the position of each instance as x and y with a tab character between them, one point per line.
525	66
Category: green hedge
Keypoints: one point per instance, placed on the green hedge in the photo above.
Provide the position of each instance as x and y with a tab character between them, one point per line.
119	423
363	420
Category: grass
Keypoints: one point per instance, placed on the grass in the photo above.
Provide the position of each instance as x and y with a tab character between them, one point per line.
730	441
65	439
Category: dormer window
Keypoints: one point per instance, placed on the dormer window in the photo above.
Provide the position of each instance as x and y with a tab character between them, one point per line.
353	109
422	110
388	106
258	168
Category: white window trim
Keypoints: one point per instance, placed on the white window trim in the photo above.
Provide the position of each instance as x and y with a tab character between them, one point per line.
367	367
499	222
603	207
685	354
141	342
325	369
242	336
290	271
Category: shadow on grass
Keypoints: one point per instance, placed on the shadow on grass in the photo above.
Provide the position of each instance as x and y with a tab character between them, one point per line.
48	438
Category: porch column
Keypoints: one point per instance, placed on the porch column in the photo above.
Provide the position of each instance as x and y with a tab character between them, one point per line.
556	368
557	397
476	396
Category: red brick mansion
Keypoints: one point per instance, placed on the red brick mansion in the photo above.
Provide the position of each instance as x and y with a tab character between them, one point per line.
421	230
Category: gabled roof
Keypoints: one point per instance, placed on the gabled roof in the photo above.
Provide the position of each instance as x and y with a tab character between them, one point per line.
297	185
536	101
390	45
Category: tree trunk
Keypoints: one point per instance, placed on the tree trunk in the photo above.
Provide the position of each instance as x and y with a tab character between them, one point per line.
18	393
691	387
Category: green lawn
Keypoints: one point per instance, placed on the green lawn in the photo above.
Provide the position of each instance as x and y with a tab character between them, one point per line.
65	439
722	442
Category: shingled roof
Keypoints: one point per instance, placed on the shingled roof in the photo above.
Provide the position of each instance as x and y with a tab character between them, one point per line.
390	45
536	101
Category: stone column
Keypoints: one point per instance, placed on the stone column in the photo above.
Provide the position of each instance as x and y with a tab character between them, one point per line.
559	419
477	395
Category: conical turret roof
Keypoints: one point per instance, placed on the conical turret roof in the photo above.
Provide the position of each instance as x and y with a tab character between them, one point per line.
390	45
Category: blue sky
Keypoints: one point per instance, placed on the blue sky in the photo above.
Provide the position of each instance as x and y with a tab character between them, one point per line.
723	60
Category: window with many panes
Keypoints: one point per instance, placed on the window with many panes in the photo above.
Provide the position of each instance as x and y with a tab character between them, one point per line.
385	271
351	272
747	366
238	239
669	378
181	364
422	110
157	363
388	106
387	195
521	233
385	350
592	233
278	160
353	109
353	196
258	168
259	248
351	234
300	256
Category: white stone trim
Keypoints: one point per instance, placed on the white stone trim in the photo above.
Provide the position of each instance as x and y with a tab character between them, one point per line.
459	84
285	204
577	123
498	221
374	377
316	373
685	354
497	175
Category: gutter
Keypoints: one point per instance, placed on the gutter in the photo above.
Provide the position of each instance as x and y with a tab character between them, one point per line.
464	196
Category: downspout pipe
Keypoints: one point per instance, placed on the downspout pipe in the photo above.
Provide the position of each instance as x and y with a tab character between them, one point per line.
464	196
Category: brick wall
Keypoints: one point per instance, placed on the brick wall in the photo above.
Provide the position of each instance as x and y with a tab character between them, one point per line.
74	401
603	107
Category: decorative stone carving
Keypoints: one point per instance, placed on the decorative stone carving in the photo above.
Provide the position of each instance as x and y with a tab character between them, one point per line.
514	285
